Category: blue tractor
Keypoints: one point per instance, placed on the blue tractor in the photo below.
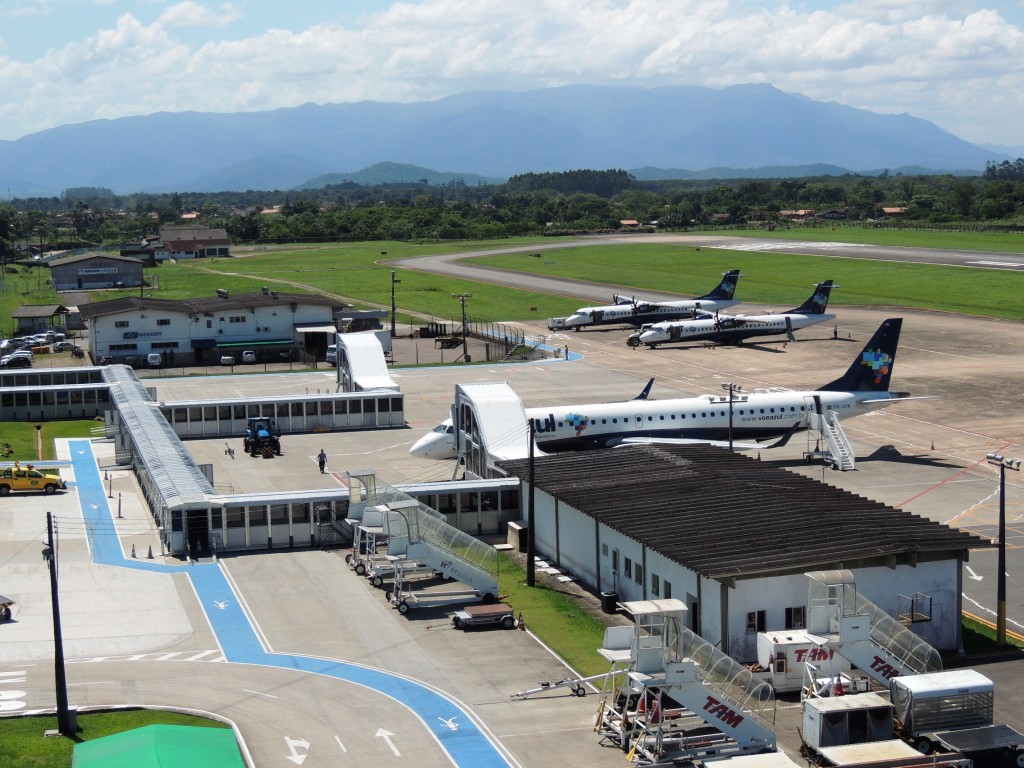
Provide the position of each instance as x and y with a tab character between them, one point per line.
262	437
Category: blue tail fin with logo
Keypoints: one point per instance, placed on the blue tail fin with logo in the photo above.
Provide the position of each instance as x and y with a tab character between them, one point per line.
818	302
726	288
872	369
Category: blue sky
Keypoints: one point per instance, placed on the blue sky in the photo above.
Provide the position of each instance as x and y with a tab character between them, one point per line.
960	65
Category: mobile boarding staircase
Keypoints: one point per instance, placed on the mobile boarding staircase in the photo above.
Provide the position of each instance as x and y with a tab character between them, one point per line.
366	519
862	633
419	537
672	696
824	426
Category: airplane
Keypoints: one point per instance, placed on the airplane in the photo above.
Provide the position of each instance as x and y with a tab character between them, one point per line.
733	329
706	419
632	312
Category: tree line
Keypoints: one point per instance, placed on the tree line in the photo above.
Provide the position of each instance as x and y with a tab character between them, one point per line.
527	204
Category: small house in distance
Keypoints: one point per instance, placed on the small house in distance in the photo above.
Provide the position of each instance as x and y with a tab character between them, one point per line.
191	243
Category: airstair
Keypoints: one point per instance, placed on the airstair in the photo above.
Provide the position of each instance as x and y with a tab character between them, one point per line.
417	537
823	426
676	697
862	633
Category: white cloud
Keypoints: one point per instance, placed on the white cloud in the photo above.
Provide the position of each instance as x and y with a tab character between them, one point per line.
960	69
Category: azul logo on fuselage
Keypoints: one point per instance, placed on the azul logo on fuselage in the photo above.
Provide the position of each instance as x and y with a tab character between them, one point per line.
577	421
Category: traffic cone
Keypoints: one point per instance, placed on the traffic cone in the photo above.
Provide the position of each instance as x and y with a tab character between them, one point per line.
641	707
520	623
133	550
933	445
150	555
839	687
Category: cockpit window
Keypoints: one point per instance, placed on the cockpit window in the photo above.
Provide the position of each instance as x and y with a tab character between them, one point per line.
441	428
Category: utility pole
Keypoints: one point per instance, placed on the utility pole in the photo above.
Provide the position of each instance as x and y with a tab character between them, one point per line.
1004	464
60	678
531	517
733	388
465	350
393	308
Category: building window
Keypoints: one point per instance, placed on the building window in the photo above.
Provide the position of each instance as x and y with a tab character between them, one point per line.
639	575
164	321
604	550
668	590
655	584
615	561
755	622
120	323
628	568
796	617
237	319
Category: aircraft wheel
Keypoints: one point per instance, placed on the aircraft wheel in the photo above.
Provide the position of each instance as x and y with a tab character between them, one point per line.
403	607
360	568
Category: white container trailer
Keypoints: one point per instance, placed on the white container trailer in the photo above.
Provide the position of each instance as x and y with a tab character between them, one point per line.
786	654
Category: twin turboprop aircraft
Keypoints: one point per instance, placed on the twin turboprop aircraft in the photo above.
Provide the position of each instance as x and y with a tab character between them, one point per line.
632	312
733	329
705	419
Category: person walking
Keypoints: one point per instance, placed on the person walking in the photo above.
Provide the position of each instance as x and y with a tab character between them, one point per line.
321	459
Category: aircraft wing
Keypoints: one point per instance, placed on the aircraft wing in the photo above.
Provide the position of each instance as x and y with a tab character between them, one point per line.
736	445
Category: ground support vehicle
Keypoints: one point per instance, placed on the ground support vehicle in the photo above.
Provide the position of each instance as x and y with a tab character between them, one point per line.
262	437
403	597
383	570
484	616
952	709
28	478
574	684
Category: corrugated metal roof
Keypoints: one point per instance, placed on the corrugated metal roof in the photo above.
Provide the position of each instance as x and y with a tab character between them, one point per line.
723	514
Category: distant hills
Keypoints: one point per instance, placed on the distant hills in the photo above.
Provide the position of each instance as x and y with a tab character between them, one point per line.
481	137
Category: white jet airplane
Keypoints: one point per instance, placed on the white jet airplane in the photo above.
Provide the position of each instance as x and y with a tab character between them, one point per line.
733	329
631	312
706	419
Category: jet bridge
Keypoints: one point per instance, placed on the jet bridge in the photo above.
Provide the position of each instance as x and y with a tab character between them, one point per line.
490	426
862	633
679	697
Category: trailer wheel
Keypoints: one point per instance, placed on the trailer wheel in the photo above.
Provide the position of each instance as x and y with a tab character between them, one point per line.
403	607
923	745
508	622
349	558
377	581
489	598
457	622
580	690
360	569
1018	757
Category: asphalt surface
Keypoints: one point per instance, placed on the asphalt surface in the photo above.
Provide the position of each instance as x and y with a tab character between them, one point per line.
145	638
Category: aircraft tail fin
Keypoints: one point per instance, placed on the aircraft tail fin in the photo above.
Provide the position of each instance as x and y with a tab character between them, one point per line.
818	301
646	391
725	289
872	369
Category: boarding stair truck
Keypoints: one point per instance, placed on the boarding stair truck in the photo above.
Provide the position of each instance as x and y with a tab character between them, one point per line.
678	697
861	632
365	519
952	710
417	534
824	427
786	658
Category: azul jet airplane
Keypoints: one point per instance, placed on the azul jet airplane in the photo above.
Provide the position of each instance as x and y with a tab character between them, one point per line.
705	419
733	329
631	312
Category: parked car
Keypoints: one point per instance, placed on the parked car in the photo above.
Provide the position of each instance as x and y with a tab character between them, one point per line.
154	360
16	362
248	356
106	360
332	354
131	361
63	346
227	360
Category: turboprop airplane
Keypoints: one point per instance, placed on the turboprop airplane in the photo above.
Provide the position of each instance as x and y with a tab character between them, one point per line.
632	312
706	419
733	329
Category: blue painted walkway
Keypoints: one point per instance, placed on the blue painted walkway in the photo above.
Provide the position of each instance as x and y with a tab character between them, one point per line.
467	746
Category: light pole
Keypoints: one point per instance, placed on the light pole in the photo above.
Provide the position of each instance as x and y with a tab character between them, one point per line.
733	388
462	297
393	309
1004	464
60	679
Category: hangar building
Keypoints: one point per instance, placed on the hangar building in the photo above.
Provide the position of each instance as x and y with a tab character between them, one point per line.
88	271
734	537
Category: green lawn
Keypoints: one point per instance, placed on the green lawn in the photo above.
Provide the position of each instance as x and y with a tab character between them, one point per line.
21	436
23	744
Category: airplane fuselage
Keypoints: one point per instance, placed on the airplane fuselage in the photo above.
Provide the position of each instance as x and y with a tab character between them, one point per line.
726	330
630	314
755	416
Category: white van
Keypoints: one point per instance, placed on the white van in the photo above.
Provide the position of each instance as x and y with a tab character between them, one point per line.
153	360
332	354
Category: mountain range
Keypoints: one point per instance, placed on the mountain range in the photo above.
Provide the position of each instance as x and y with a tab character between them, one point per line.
480	136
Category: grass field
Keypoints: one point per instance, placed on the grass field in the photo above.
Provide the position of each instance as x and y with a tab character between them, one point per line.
23	744
21	436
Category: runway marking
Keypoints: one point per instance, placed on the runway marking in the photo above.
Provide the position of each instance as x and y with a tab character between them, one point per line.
259	693
996	263
783	245
204	656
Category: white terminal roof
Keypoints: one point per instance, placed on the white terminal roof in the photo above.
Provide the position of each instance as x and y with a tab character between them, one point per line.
366	361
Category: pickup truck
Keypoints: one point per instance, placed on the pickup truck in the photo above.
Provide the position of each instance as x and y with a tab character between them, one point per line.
28	478
482	615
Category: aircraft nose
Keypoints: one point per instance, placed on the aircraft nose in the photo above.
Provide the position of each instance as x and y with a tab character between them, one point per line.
434	445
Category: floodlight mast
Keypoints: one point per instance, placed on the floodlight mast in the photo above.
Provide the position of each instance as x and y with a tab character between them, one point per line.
1004	463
